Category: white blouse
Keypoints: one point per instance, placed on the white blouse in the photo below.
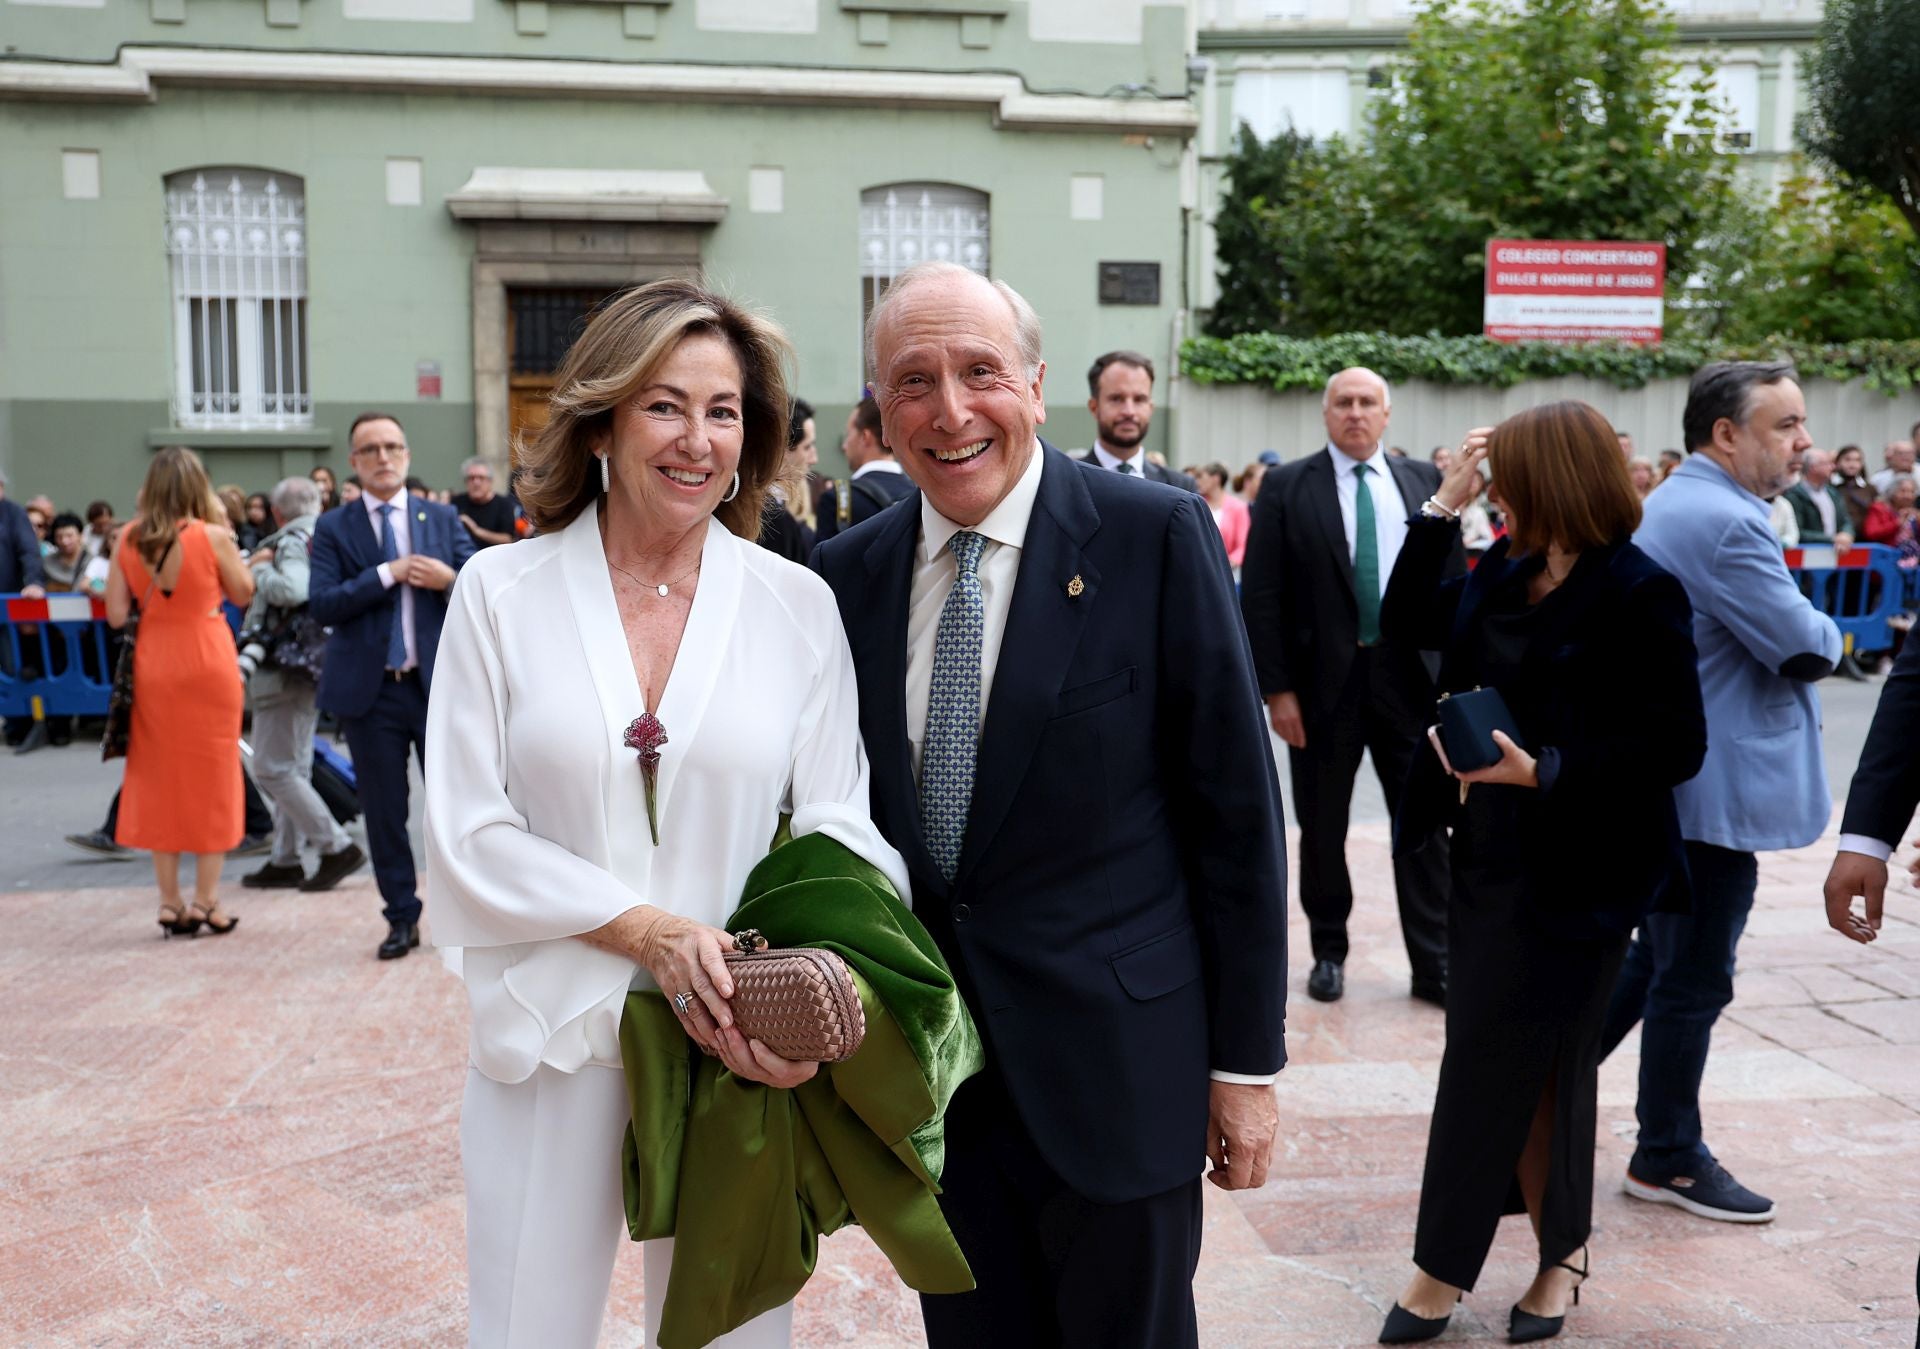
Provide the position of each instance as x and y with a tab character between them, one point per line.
536	816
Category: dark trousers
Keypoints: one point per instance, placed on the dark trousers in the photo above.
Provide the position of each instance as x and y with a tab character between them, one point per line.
1053	1268
259	822
1374	713
1677	979
380	741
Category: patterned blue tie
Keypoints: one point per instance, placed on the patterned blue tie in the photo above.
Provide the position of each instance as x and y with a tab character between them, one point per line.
397	635
953	709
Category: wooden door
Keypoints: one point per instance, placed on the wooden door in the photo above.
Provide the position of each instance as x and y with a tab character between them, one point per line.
543	322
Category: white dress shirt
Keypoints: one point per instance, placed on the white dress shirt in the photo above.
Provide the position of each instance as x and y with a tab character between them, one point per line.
536	814
878	466
1389	507
403	545
1108	459
934	570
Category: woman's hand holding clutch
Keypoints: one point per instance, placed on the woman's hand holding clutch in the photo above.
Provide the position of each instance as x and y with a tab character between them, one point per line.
1515	767
685	961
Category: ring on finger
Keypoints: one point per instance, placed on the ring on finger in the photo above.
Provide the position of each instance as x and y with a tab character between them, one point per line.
683	1003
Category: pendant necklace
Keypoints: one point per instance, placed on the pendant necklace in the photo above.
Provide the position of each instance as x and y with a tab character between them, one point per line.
664	587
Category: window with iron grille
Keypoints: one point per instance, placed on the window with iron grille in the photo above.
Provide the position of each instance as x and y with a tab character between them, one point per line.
237	254
905	223
545	322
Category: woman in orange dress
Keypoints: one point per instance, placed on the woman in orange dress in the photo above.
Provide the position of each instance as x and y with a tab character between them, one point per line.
182	794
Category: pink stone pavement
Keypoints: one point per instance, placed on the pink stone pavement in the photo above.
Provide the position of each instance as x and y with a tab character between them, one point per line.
253	1141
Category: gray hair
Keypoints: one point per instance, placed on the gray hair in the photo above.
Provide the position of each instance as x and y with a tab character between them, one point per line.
1026	323
295	497
1386	389
473	463
1724	390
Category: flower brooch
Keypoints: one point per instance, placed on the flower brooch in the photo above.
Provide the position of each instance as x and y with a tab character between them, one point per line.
646	735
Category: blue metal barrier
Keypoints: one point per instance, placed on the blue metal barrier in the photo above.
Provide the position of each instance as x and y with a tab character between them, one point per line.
61	642
1841	585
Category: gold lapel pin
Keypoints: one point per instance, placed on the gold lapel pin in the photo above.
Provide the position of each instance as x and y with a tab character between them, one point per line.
1076	588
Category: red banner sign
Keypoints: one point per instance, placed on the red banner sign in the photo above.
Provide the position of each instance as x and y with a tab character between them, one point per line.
1567	291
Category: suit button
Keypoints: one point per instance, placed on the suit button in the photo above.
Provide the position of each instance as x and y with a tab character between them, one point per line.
961	913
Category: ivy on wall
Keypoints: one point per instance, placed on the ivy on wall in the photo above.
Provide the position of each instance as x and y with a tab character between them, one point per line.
1285	363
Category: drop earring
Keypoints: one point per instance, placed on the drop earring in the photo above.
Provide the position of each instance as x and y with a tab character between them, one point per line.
734	490
606	476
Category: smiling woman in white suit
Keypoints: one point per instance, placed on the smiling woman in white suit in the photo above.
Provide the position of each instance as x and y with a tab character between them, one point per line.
642	624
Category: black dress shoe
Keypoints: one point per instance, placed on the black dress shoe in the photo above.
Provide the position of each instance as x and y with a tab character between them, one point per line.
274	876
1327	982
335	867
1403	1327
401	938
1431	990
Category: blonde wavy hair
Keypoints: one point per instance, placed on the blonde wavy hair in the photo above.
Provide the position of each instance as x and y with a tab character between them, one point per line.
177	490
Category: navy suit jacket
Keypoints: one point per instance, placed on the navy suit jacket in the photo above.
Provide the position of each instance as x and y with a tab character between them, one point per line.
1619	622
1118	919
345	593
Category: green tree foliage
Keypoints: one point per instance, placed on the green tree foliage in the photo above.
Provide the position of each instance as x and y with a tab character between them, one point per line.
1536	119
1830	263
1256	286
1863	87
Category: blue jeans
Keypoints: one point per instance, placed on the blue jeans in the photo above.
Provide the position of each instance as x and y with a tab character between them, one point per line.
1677	979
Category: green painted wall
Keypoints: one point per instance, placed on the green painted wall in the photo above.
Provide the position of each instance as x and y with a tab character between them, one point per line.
596	32
84	295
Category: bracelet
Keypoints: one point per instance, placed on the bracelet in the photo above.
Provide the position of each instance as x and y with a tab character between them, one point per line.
1440	509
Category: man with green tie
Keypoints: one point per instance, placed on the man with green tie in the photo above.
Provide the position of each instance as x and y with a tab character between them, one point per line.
1326	531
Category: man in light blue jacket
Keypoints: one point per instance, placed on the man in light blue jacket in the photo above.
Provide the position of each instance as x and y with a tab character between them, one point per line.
1762	646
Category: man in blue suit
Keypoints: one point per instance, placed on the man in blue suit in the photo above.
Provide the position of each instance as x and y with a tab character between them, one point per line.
1762	648
381	570
1067	747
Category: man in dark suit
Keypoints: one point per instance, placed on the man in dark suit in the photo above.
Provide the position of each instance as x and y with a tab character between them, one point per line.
1326	531
1067	749
1880	803
877	480
1120	389
381	570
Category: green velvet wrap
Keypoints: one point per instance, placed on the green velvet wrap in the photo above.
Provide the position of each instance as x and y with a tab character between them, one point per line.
747	1179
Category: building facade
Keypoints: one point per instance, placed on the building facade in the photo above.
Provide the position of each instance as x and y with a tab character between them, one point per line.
1316	65
235	226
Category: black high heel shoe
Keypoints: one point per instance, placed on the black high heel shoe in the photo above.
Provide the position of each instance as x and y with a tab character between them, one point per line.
198	915
1523	1327
177	926
1403	1327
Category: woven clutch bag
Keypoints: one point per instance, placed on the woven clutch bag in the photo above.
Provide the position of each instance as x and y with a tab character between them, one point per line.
799	1002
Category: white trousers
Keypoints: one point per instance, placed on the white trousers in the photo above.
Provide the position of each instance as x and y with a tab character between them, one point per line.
545	1216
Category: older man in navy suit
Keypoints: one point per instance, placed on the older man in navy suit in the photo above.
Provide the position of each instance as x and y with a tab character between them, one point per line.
381	570
1066	743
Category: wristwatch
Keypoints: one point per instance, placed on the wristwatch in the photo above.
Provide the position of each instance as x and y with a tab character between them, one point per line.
1433	510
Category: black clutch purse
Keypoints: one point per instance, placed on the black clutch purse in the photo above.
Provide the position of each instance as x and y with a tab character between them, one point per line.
1467	723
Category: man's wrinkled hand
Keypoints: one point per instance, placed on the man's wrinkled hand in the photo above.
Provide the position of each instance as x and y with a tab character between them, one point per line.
430	573
1856	874
1283	710
1241	1121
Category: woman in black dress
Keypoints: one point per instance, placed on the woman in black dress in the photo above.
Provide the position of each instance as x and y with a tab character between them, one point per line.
1559	849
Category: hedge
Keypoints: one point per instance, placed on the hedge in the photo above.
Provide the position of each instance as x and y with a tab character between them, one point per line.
1285	363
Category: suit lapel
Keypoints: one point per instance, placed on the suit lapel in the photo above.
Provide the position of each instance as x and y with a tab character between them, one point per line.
1044	624
1324	492
1408	482
880	647
364	536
